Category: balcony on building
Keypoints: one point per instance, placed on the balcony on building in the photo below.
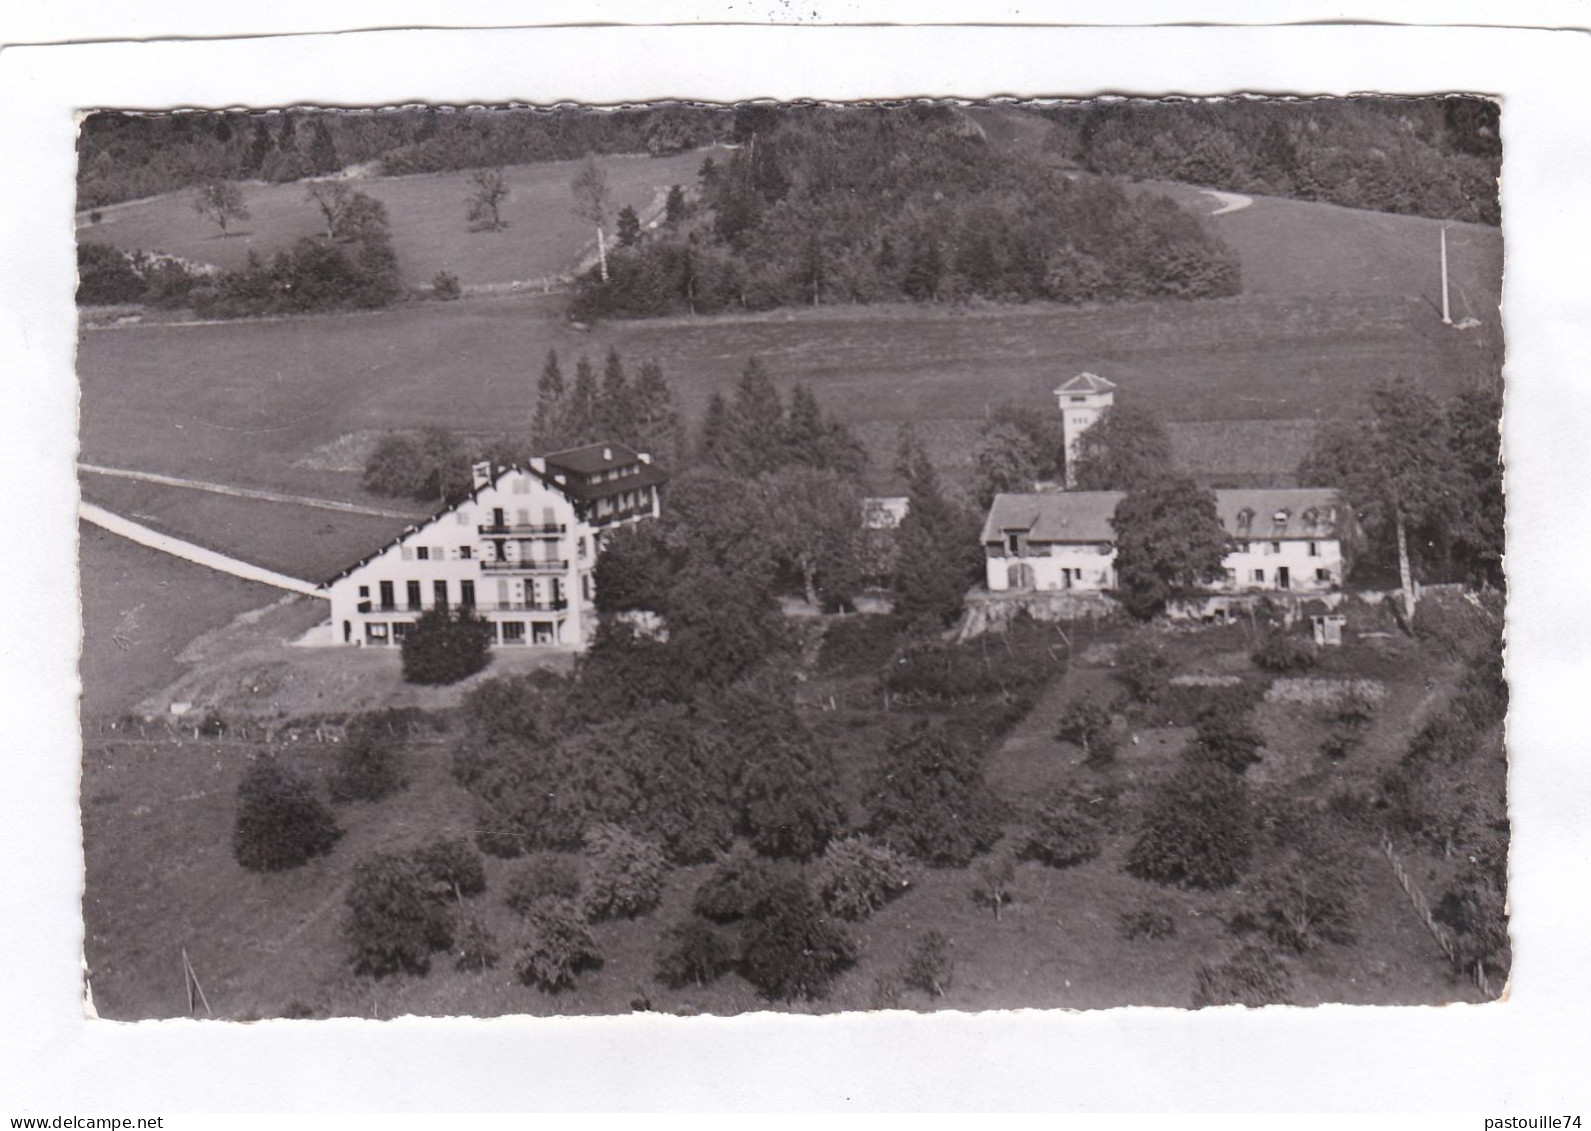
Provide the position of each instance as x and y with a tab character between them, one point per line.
540	565
523	529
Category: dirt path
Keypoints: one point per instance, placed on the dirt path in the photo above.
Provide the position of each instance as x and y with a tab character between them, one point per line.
144	536
245	492
1229	201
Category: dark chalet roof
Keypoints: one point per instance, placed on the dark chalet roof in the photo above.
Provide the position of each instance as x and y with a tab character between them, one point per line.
578	466
592	458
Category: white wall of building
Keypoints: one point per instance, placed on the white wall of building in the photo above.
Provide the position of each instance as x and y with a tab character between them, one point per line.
1054	566
517	548
1311	565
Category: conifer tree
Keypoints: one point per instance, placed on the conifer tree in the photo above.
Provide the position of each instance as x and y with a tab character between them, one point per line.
938	550
713	441
756	421
616	408
581	415
546	425
657	422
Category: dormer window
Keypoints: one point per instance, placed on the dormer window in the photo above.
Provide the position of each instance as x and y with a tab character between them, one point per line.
1013	542
1245	518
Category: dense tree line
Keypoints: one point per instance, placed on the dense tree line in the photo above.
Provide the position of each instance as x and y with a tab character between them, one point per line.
860	204
124	156
1437	157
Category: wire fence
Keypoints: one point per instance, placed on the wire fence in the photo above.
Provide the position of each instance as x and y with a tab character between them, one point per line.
1422	908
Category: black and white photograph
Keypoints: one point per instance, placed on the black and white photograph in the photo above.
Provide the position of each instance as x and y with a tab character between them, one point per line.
823	557
678	558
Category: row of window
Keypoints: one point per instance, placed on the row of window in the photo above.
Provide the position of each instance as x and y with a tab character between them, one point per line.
1283	577
413	592
1274	548
551	594
381	633
436	553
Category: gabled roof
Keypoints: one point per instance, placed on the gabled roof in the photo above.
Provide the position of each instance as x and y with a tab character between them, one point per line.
469	496
1303	512
1086	383
589	459
1084	516
1054	516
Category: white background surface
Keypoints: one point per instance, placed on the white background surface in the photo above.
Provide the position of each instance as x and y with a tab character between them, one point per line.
1527	1056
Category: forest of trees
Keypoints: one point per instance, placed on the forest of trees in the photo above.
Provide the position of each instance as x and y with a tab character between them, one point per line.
125	156
1437	157
824	205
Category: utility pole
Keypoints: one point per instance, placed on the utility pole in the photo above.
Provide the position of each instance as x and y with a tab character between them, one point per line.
1447	318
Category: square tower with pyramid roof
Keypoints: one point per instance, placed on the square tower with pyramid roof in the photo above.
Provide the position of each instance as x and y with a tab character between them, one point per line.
1082	399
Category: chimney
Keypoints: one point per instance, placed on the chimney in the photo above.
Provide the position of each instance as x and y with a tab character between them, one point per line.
481	474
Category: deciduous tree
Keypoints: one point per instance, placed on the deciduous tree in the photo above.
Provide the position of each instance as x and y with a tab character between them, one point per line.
484	206
221	202
1125	449
1168	539
590	191
1396	468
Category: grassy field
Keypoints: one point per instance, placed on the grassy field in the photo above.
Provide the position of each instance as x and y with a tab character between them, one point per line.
243	402
300	541
140	609
427	211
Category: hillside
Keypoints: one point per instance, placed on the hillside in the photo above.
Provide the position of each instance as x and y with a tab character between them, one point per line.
1335	300
427	214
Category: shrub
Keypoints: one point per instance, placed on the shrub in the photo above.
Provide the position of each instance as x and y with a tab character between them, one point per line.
1313	899
396	918
929	798
544	875
1143	668
624	874
475	946
556	946
856	877
452	865
789	800
106	275
938	671
1225	736
1062	833
1254	976
1153	925
1282	652
366	768
1196	832
735	887
696	953
281	824
446	645
887	991
790	949
445	286
1087	724
992	880
928	966
1475	910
